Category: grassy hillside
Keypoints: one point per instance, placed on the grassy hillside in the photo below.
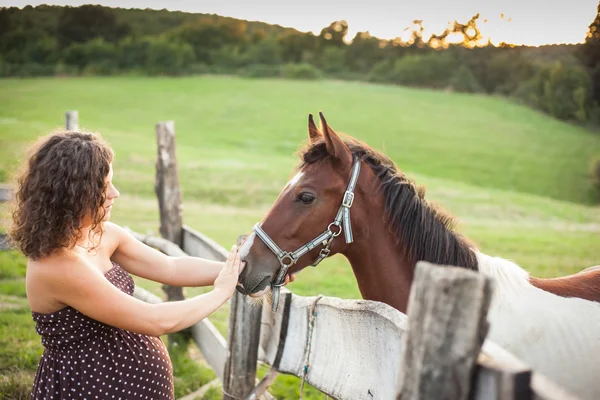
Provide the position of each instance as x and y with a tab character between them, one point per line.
250	129
516	179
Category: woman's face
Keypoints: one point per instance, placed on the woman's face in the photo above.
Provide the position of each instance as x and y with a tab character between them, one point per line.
111	194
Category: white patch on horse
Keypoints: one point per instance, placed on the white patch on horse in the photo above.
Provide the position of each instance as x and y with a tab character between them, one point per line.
541	328
247	245
294	180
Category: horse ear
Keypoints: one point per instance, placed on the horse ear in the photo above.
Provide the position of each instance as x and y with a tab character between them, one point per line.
313	132
335	145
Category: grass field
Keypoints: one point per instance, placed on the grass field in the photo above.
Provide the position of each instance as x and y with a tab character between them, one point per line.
516	179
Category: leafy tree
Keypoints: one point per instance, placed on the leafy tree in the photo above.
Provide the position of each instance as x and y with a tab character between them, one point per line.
133	52
334	34
295	47
168	57
265	52
81	24
463	80
96	51
430	70
206	38
590	54
334	59
364	52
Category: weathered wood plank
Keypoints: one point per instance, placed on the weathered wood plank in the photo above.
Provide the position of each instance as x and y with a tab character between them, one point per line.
352	341
242	337
495	381
542	388
169	197
4	242
447	311
161	244
6	193
260	390
273	331
212	345
144	295
199	245
72	120
199	394
167	184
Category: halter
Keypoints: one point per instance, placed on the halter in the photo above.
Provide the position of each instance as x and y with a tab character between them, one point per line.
341	222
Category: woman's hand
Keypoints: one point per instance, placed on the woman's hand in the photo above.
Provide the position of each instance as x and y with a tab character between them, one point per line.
228	277
289	278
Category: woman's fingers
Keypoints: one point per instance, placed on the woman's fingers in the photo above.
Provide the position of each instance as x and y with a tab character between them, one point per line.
289	278
229	256
228	267
236	264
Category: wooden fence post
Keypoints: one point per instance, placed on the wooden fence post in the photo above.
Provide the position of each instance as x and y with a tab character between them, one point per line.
242	341
495	381
169	196
72	120
447	325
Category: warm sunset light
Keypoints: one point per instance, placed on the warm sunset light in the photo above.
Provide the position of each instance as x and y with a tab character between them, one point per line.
392	163
529	22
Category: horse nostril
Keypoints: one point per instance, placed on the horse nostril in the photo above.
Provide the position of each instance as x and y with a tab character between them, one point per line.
241	290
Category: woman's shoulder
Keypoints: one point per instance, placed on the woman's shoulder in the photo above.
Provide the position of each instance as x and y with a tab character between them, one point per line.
113	231
42	276
113	235
49	264
61	262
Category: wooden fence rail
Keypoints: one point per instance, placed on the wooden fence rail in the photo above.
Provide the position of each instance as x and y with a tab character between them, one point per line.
6	193
357	346
447	312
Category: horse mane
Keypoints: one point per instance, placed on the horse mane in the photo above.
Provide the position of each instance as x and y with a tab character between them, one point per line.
424	229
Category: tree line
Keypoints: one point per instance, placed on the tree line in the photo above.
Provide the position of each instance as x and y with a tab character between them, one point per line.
561	80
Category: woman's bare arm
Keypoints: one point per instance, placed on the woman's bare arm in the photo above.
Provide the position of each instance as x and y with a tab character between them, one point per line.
84	288
144	261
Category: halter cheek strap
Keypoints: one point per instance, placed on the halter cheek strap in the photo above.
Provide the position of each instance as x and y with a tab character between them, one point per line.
341	221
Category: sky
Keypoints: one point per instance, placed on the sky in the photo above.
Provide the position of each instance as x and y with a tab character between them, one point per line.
531	22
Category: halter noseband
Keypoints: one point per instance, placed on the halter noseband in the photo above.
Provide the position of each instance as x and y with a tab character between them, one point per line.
341	222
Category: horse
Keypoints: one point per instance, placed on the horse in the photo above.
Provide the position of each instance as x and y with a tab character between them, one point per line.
344	188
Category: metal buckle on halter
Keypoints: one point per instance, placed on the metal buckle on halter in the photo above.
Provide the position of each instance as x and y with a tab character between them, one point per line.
334	234
324	253
291	258
348	199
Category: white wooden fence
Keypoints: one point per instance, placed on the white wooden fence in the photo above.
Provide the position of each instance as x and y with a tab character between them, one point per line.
356	346
5	195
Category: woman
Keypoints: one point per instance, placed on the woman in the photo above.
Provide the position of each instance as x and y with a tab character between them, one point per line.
99	340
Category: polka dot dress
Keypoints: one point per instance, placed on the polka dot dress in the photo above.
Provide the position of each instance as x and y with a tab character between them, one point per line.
86	359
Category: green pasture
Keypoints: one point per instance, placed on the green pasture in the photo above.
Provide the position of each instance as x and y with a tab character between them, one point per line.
517	180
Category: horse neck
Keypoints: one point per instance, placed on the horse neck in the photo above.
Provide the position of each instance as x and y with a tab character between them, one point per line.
382	271
381	264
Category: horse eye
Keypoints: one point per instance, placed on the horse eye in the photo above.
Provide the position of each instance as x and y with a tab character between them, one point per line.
306	197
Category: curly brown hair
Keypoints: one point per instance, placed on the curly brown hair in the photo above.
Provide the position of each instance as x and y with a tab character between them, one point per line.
62	182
